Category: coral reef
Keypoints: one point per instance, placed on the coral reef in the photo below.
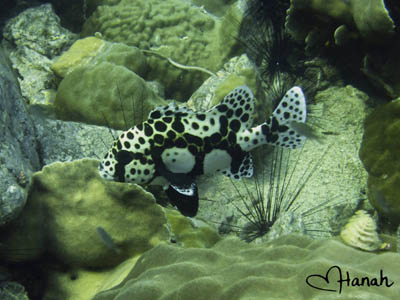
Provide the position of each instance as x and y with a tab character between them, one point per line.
191	232
175	29
286	268
369	18
68	201
381	157
105	94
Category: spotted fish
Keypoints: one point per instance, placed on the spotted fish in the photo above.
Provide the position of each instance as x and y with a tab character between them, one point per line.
175	144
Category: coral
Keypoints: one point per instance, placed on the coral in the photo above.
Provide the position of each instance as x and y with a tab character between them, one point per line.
370	18
105	94
68	201
381	157
93	50
190	233
274	270
361	232
175	29
80	53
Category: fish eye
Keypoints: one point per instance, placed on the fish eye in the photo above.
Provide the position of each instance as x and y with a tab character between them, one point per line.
124	157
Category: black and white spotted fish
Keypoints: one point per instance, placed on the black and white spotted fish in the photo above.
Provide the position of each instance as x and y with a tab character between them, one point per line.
176	144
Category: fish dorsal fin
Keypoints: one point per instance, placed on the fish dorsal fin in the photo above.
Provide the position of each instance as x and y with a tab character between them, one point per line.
245	169
237	105
291	110
292	107
169	110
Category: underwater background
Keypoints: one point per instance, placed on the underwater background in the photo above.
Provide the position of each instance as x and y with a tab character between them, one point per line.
318	222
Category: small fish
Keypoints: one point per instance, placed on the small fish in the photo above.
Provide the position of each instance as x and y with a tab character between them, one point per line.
107	239
176	145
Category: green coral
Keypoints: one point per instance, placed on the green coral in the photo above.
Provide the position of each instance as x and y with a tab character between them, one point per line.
191	233
381	157
174	29
370	18
69	201
105	94
235	270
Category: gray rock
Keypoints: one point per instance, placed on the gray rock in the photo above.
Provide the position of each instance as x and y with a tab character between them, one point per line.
33	39
68	141
18	156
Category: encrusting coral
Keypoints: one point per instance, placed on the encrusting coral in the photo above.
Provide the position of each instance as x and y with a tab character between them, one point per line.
287	268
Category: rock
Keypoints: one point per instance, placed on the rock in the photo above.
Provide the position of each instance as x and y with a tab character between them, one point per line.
287	268
18	148
67	141
33	39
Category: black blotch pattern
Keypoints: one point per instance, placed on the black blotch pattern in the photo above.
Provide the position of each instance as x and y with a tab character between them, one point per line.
141	140
148	130
167	119
201	117
158	138
274	125
244	118
127	145
238	112
192	139
119	145
171	134
234	125
215	138
195	125
193	149
129	135
232	138
155	114
223	125
178	126
160	126
180	143
222	108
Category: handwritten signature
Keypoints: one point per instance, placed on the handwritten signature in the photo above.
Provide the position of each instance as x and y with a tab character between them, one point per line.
316	280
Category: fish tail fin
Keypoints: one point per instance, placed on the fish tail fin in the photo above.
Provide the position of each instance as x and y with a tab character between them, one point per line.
279	130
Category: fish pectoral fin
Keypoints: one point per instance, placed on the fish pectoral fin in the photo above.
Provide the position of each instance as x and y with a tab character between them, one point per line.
185	198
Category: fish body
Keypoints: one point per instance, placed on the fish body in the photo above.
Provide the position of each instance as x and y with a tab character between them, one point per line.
175	145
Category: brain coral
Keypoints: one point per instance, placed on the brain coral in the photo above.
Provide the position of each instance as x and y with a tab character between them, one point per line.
381	157
235	270
173	29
